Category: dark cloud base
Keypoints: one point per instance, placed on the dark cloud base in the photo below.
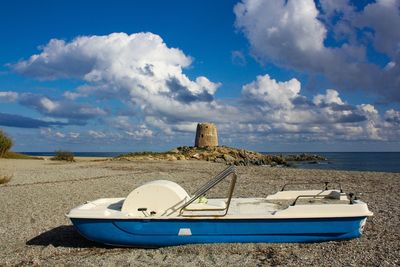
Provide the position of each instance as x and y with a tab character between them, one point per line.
13	120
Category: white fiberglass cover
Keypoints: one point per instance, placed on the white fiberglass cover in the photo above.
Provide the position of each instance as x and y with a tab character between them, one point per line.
159	198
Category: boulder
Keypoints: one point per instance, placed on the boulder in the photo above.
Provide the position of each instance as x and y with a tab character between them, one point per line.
228	158
219	160
196	156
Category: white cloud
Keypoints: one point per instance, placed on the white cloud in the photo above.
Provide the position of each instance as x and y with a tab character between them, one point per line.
140	63
8	96
331	97
142	132
48	105
279	30
276	94
138	69
383	17
289	114
368	109
74	135
292	34
96	134
72	95
392	116
59	135
146	75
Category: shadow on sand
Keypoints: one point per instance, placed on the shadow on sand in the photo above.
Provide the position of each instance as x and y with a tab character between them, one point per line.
63	236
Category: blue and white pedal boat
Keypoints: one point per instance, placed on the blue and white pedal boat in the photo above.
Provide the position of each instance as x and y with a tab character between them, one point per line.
161	213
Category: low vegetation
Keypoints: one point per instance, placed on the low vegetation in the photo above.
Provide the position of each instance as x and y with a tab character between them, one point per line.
143	154
5	178
5	143
15	155
63	156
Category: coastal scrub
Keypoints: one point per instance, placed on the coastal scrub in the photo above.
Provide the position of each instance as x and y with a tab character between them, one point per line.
5	178
5	143
63	156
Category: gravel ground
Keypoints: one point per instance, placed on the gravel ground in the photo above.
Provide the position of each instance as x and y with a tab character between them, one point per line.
35	231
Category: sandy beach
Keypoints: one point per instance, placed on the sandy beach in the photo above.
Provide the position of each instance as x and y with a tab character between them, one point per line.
35	231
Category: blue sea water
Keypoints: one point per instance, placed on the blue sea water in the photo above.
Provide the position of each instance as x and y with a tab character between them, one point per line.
77	154
353	161
349	161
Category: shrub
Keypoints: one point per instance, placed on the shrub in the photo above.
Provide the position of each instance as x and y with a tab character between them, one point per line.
5	179
5	143
63	155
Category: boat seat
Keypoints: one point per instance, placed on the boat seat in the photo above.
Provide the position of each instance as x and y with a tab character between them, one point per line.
156	198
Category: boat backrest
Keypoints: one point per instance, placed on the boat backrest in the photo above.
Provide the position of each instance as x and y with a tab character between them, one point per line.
156	198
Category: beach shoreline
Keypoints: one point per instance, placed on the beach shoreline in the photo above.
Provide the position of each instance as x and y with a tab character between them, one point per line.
35	231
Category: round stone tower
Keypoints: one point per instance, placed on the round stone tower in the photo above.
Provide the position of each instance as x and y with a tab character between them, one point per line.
206	135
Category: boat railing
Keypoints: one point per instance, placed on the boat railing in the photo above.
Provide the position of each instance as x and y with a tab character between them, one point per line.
206	187
351	197
325	187
306	196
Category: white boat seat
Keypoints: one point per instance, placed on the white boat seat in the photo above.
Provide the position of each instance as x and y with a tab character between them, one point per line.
156	198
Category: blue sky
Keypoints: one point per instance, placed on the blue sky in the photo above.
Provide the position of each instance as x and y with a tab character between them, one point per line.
138	75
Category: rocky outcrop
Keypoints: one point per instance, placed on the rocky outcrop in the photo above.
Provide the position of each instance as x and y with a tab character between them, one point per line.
220	154
304	157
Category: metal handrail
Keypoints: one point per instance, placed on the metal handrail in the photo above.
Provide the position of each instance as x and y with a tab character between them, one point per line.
216	179
325	185
207	186
306	196
351	197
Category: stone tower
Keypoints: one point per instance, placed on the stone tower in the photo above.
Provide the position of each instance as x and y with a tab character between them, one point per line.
206	135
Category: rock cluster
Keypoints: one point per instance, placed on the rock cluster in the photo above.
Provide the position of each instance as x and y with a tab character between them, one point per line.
220	154
230	155
305	157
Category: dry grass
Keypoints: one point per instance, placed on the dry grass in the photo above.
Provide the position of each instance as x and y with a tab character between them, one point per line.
15	155
5	179
64	156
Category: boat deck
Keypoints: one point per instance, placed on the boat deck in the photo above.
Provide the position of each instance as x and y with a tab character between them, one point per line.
279	205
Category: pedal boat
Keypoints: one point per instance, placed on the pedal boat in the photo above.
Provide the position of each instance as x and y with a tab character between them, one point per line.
161	213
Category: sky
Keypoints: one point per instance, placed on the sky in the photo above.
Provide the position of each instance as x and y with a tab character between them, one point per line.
278	75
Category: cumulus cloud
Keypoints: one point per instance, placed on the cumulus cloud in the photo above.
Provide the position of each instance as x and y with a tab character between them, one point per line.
279	109
140	133
383	17
331	97
292	34
271	92
147	76
140	63
392	116
138	69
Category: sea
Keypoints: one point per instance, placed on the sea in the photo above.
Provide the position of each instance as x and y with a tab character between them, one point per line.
348	161
352	161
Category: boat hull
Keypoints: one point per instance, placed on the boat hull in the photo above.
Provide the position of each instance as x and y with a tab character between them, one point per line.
171	232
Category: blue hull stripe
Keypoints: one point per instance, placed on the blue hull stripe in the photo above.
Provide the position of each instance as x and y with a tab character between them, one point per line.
155	233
